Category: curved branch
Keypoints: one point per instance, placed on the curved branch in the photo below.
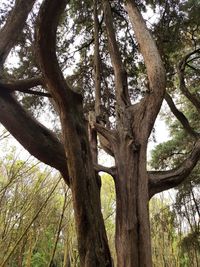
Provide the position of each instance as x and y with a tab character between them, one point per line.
14	25
180	116
154	65
33	136
109	170
46	29
181	73
163	180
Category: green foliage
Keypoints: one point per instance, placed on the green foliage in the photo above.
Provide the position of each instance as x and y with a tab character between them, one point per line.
108	209
23	190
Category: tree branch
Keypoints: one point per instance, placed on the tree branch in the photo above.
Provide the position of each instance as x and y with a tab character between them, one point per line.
46	28
109	170
24	86
180	116
105	145
97	62
121	85
14	25
33	136
107	134
181	73
154	65
163	180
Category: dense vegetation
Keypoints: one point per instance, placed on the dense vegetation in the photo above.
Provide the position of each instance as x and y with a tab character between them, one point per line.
37	223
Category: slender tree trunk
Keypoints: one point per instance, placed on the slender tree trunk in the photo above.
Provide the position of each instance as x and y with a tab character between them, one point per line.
133	246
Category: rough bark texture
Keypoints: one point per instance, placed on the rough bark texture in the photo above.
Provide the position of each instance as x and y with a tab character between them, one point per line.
31	134
13	27
134	125
92	240
121	86
132	222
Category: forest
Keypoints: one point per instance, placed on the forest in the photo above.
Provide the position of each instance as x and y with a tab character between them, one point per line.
99	134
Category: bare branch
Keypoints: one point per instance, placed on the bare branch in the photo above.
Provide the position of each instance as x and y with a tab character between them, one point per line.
21	85
24	86
163	180
109	170
121	85
97	62
14	25
181	73
180	116
108	134
105	145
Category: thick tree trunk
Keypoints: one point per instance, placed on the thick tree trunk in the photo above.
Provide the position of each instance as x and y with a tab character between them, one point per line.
133	246
92	240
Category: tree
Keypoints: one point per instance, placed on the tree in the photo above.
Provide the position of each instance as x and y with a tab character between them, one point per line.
126	139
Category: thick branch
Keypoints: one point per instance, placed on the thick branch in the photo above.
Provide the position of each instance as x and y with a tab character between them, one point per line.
180	116
24	86
33	136
14	25
153	63
20	85
194	99
163	180
109	170
48	20
97	62
121	85
107	134
105	145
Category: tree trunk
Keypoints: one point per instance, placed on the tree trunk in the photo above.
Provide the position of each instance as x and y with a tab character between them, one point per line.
133	246
91	234
92	240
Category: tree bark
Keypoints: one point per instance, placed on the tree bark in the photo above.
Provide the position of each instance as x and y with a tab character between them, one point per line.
133	244
32	135
13	27
92	239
